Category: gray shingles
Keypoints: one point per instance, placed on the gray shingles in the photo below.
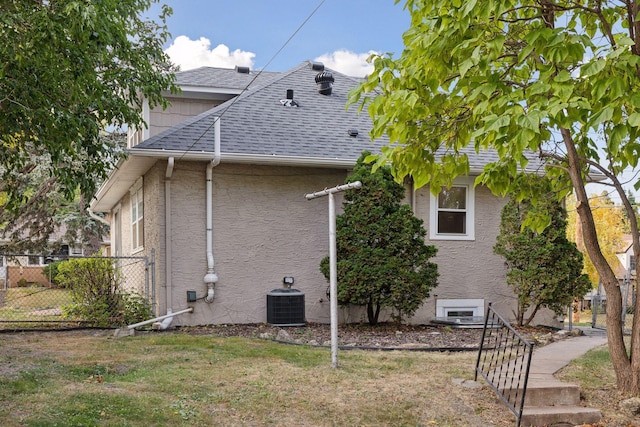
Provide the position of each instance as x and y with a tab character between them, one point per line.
256	122
222	78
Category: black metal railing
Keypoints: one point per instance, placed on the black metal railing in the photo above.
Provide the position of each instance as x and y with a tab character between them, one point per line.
503	361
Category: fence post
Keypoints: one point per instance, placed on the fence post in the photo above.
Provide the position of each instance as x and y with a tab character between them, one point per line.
152	266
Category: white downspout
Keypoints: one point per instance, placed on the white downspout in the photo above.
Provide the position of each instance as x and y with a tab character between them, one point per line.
166	321
93	215
211	278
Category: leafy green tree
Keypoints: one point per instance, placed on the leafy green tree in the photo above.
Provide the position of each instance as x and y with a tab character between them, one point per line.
560	78
383	260
68	70
545	268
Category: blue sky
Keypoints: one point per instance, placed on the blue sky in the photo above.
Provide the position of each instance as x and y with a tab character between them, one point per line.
341	33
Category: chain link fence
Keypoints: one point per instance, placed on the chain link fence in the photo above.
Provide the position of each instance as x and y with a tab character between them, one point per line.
599	309
45	291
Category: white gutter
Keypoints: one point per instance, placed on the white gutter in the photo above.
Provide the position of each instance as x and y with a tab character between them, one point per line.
168	254
247	158
211	278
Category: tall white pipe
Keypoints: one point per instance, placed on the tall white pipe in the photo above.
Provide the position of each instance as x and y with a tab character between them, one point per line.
167	244
333	281
333	269
211	278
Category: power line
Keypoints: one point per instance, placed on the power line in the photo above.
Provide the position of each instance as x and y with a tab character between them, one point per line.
233	101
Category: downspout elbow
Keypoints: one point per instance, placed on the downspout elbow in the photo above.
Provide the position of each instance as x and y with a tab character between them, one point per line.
98	218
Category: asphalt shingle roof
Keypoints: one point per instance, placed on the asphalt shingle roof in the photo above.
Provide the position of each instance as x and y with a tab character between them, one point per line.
257	124
223	77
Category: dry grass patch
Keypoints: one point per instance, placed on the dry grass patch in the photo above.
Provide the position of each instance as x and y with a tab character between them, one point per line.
172	379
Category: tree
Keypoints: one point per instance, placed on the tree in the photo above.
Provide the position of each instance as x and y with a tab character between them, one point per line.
610	222
46	209
545	268
560	78
383	260
71	69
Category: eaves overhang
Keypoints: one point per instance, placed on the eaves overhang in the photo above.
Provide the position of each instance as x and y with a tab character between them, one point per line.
140	161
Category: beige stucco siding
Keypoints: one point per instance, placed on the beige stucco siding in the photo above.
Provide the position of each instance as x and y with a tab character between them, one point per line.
179	111
468	268
263	229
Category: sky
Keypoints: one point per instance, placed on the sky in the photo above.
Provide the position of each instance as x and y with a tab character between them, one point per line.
277	35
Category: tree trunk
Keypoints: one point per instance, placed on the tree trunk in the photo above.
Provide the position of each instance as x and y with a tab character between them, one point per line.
621	364
373	312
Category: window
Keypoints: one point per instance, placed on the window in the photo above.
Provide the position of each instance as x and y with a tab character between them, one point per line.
34	260
451	217
137	223
451	309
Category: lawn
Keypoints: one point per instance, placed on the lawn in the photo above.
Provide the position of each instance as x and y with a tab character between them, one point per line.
33	304
89	378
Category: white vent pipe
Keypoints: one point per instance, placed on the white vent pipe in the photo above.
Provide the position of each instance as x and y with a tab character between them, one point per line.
168	265
211	278
169	316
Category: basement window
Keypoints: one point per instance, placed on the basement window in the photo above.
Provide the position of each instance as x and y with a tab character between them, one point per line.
457	309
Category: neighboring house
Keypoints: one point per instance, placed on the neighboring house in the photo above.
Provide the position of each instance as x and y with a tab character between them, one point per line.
219	197
25	269
626	270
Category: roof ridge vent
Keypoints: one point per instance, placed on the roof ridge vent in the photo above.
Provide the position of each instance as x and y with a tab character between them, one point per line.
243	70
325	80
317	66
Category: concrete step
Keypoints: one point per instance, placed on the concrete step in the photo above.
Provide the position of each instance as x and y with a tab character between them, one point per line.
557	416
548	393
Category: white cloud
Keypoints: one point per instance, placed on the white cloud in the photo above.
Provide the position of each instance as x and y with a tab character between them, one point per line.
190	54
347	62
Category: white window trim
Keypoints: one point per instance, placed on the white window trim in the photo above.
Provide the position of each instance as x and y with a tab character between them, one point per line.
470	217
133	195
443	306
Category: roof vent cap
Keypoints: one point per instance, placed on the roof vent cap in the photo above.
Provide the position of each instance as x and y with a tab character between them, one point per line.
289	102
242	70
325	80
317	66
353	132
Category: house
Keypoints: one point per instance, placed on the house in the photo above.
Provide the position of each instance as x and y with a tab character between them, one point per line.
215	187
23	269
626	271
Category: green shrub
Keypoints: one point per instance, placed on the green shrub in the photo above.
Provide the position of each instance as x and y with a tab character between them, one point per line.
383	260
50	271
96	290
22	283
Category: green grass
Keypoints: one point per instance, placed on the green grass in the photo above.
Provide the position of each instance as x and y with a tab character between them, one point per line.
174	379
33	305
597	379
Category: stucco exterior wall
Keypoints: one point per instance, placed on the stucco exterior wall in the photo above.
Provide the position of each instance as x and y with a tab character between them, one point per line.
264	229
468	268
180	110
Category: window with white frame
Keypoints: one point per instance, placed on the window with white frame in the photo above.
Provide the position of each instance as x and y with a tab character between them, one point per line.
452	309
452	213
137	211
